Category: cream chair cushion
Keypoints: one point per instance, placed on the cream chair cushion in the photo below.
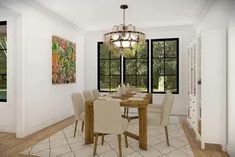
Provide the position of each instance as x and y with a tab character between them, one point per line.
107	117
95	93
166	110
78	106
87	95
161	117
158	107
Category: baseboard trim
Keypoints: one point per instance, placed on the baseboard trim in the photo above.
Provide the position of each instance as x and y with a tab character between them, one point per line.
7	128
43	125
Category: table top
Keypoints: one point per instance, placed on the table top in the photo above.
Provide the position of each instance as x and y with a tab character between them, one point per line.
130	100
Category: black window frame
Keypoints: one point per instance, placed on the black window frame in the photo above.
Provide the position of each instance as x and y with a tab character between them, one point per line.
136	75
177	66
4	100
98	69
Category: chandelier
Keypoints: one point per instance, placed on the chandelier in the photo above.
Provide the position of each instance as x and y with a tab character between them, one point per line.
124	39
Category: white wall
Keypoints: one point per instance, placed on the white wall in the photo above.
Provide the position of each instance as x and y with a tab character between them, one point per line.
38	102
184	33
231	89
218	17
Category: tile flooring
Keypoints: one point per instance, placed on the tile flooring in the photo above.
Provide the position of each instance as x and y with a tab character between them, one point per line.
63	144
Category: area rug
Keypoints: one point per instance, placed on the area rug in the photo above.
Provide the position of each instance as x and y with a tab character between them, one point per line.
63	144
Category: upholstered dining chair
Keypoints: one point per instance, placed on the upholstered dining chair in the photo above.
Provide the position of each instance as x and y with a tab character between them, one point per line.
161	118
87	95
95	93
158	107
108	120
79	110
126	109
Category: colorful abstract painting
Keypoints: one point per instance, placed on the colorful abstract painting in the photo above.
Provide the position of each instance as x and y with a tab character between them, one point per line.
63	61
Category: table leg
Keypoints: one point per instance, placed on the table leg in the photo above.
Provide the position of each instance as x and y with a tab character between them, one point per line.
89	126
143	128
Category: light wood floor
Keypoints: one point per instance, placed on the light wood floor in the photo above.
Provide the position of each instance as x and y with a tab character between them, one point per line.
10	146
210	151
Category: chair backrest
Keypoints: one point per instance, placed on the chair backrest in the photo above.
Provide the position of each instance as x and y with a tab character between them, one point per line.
87	95
168	92
95	93
166	110
78	103
107	117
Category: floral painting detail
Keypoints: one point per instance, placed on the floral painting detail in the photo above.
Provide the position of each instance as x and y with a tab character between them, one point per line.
63	61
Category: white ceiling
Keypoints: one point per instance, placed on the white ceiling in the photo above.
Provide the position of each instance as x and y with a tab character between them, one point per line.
103	14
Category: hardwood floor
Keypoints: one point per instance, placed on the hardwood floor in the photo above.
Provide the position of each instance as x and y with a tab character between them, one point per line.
210	151
10	146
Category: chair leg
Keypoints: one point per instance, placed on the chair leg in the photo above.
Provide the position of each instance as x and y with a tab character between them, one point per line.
127	111
95	144
75	130
124	111
167	139
82	126
120	144
125	135
102	143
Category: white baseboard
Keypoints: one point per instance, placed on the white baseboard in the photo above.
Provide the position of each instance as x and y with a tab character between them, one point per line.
7	128
43	125
231	150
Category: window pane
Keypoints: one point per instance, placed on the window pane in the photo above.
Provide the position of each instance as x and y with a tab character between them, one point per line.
158	49
131	80
130	67
3	61
104	67
158	84
142	67
171	48
115	81
109	69
104	83
142	51
158	67
164	65
115	67
142	83
170	67
171	83
104	52
114	55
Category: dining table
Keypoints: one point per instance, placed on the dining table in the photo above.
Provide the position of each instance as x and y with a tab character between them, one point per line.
129	101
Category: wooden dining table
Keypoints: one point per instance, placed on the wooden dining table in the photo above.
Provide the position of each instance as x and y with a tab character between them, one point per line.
141	105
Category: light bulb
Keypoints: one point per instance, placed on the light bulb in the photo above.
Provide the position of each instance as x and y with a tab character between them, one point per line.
125	44
134	36
117	43
115	36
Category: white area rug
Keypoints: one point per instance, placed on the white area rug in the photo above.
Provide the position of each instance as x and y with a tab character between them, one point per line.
63	144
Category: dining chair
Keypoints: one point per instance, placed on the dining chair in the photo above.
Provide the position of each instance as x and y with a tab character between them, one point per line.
108	120
79	110
161	118
87	95
126	109
95	93
158	107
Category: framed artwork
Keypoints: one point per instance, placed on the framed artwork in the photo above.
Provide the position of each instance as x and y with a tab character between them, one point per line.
63	61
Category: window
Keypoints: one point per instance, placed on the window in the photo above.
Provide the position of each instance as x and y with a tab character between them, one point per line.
136	71
3	61
109	69
165	65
